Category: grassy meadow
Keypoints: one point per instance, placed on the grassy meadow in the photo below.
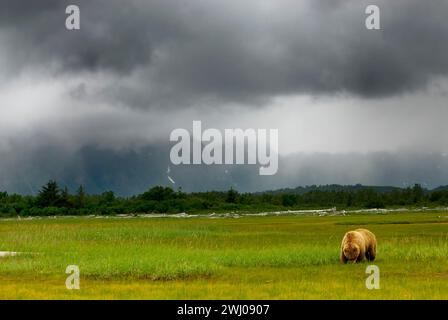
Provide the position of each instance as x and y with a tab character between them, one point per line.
251	257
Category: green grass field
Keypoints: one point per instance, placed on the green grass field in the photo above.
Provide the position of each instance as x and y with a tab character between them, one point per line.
272	257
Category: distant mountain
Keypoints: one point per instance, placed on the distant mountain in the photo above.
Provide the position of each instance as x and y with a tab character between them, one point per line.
441	188
133	171
333	187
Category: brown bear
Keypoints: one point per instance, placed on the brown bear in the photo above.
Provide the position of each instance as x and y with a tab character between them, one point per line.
358	244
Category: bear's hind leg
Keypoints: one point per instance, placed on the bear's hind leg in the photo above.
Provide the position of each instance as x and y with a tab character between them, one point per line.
371	253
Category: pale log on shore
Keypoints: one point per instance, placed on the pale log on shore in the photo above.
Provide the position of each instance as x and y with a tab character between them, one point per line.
8	254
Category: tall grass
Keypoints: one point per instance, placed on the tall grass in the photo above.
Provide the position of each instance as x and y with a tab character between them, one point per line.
287	251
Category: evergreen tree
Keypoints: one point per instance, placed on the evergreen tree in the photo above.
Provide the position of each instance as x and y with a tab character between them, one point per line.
417	193
231	196
49	195
108	197
349	200
64	200
80	197
158	193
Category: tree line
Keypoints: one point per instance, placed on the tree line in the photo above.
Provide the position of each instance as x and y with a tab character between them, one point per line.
54	200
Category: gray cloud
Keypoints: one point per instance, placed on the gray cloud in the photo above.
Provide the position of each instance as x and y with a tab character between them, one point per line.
96	106
175	54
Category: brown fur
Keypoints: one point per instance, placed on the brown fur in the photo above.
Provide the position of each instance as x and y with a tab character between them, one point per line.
358	244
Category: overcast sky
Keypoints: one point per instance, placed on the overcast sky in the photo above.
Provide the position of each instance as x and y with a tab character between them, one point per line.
96	106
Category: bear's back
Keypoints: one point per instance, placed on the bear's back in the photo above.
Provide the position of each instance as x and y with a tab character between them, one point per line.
367	234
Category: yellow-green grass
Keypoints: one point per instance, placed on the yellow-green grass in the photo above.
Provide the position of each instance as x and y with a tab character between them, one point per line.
272	257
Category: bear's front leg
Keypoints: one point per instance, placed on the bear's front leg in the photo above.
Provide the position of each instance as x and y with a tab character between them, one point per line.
343	258
361	255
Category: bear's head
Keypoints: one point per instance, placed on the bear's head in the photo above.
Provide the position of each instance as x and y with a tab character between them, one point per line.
351	251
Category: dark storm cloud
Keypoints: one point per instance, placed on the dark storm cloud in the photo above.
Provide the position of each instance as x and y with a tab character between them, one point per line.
81	106
110	38
132	172
232	51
